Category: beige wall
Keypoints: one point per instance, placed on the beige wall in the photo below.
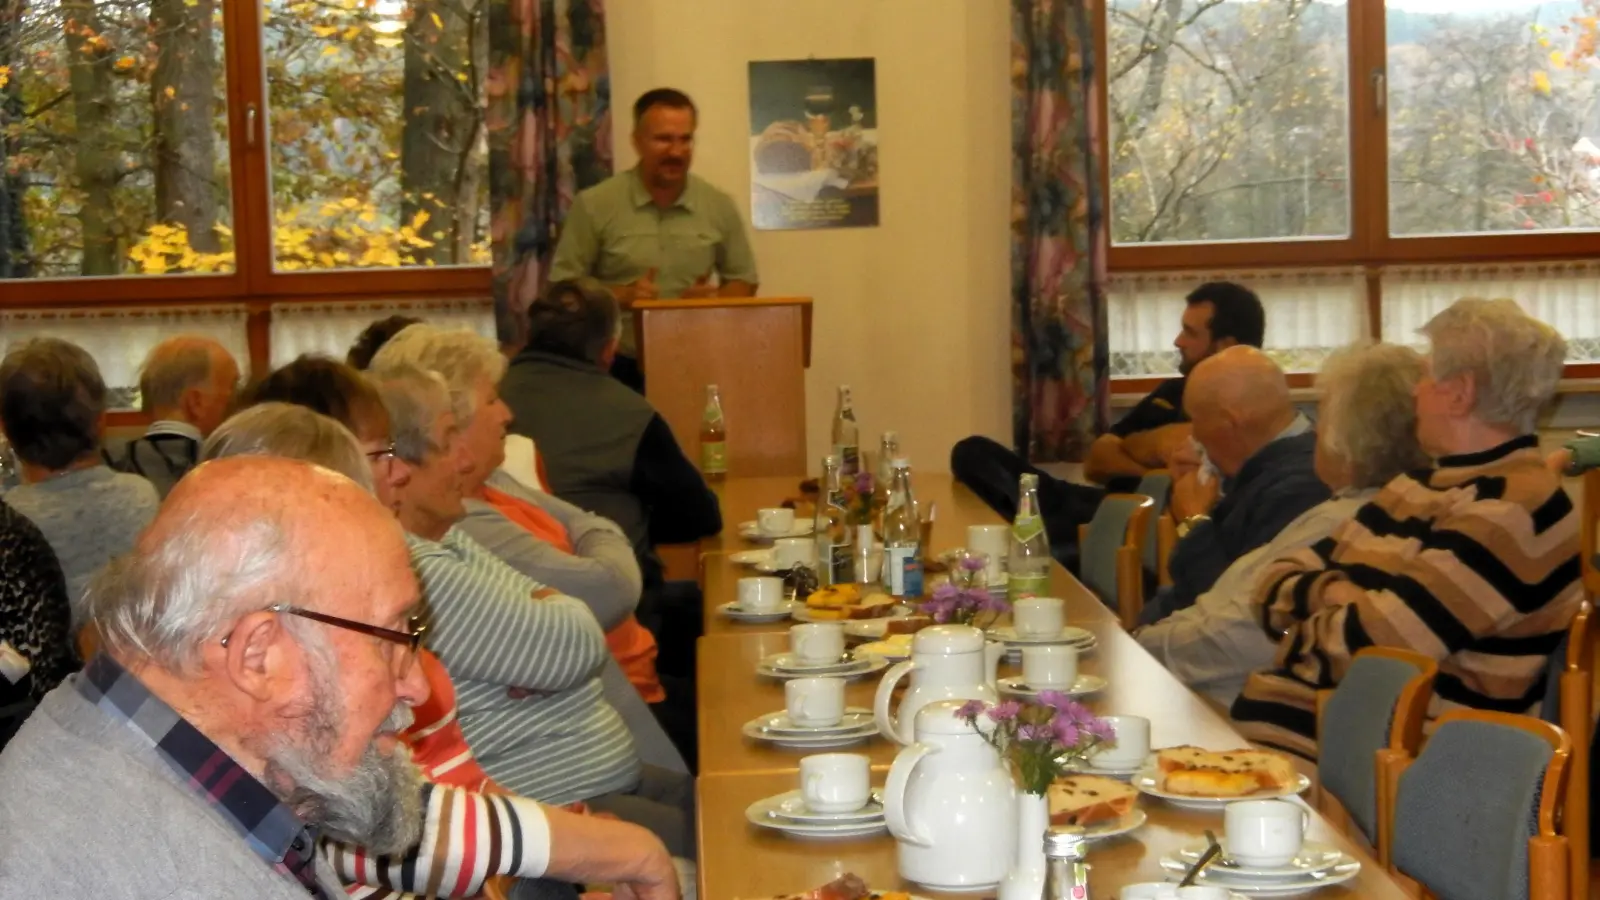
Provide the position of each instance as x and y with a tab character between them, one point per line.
912	314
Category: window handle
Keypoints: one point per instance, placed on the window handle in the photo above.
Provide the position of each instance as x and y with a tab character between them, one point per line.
1380	89
250	125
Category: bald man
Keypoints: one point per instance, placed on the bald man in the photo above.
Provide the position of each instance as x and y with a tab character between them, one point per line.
258	665
186	385
1263	447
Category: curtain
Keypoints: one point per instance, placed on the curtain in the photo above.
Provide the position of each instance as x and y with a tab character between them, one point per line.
1310	313
330	328
549	127
1059	351
1565	295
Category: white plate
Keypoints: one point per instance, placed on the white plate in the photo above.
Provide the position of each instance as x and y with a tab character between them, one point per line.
752	532
1121	774
1130	822
732	611
1014	651
1313	858
898	611
864	665
751	557
819	742
777	724
790	664
1070	634
790	808
1086	684
1148	779
1220	877
756	814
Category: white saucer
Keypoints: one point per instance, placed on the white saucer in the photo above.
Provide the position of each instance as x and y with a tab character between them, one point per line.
898	611
734	612
1086	684
1122	773
1014	651
863	665
777	724
752	532
1220	876
1130	822
756	814
1313	858
1070	634
790	808
816	742
1148	779
751	557
790	664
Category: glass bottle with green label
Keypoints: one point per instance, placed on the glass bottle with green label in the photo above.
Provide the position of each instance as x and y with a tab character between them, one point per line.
836	560
902	537
1028	564
846	435
713	438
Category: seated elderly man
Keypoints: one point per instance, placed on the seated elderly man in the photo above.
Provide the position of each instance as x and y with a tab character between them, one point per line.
52	409
527	660
1366	435
186	385
1239	403
1473	562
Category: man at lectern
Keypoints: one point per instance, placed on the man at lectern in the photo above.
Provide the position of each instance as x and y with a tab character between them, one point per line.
656	231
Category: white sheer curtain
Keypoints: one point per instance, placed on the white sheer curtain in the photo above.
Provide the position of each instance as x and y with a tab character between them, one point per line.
330	328
1564	294
1310	313
118	339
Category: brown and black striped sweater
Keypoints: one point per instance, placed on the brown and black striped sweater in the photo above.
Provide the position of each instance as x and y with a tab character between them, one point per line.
1474	563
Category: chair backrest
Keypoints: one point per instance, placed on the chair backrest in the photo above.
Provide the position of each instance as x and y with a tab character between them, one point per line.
1380	704
1568	694
1116	532
1475	813
1157	485
1589	533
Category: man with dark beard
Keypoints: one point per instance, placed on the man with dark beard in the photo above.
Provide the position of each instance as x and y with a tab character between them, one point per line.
258	663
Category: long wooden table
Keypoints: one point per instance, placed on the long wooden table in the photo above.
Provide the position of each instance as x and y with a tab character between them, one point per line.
740	862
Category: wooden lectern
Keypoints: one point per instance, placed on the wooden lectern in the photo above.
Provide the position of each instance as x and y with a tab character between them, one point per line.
756	350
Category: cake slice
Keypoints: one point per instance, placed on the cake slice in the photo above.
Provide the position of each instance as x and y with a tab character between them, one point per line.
1180	757
1195	772
1089	799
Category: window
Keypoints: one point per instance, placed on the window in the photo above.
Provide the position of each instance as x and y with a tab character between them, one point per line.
330	328
1228	120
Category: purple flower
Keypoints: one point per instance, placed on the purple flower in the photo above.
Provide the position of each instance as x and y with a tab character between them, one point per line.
972	709
1034	733
864	483
940	609
972	563
1005	711
1066	733
1102	730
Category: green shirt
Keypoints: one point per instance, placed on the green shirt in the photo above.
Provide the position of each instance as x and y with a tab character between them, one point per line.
616	233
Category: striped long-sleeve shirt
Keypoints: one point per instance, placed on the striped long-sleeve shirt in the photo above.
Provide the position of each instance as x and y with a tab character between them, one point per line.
1473	563
526	663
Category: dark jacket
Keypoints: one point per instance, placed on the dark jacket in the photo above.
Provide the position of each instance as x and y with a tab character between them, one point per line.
1271	490
607	450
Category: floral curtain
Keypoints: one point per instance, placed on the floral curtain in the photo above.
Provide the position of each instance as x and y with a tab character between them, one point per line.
1059	352
549	129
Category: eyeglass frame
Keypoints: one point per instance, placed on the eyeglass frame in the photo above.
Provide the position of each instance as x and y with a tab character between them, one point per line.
411	640
375	455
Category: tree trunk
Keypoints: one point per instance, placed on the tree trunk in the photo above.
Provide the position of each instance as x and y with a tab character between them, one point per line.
181	95
1155	78
88	60
15	261
441	125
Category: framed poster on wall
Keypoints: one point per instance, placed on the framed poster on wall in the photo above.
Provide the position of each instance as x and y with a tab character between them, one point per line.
813	144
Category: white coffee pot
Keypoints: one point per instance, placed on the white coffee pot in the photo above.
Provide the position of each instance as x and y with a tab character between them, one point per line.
948	662
950	804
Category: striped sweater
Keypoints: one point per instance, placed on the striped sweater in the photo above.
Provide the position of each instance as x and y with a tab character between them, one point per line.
1473	563
526	663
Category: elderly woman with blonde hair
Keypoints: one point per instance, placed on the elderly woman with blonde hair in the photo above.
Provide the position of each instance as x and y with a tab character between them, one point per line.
1366	435
1473	562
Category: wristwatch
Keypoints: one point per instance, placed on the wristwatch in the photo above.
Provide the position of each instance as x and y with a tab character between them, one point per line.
1189	523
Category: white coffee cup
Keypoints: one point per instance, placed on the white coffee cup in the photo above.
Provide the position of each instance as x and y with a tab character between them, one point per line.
1130	748
1039	616
835	782
994	540
1050	666
814	702
817	642
790	552
775	521
760	595
1265	833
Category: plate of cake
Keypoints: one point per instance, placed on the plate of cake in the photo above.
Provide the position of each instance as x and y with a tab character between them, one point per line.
1198	778
1102	807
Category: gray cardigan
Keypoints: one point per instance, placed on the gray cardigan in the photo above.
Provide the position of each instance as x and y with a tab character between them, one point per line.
88	810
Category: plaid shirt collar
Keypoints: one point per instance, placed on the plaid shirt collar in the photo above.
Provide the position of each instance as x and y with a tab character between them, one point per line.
271	829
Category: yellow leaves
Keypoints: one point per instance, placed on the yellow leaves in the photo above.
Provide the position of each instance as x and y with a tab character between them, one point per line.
1557	59
1541	83
170	91
437	22
5	76
324	31
419	220
349	232
330	50
125	64
164	249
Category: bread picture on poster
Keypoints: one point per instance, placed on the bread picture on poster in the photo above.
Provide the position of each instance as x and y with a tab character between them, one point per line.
813	144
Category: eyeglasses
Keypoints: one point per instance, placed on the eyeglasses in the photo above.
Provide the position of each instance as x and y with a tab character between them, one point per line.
410	639
375	455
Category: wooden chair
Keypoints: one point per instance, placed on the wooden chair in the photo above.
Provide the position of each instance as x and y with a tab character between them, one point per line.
1111	553
1588	532
1568	702
1372	720
1481	802
497	888
1157	485
1166	539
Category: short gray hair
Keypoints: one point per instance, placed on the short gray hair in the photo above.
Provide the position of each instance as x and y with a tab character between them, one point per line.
416	399
173	366
462	357
1368	414
166	601
1514	359
294	432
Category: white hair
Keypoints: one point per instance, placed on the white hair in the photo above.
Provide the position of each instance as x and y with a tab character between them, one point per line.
1368	412
415	399
294	432
1514	359
462	357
